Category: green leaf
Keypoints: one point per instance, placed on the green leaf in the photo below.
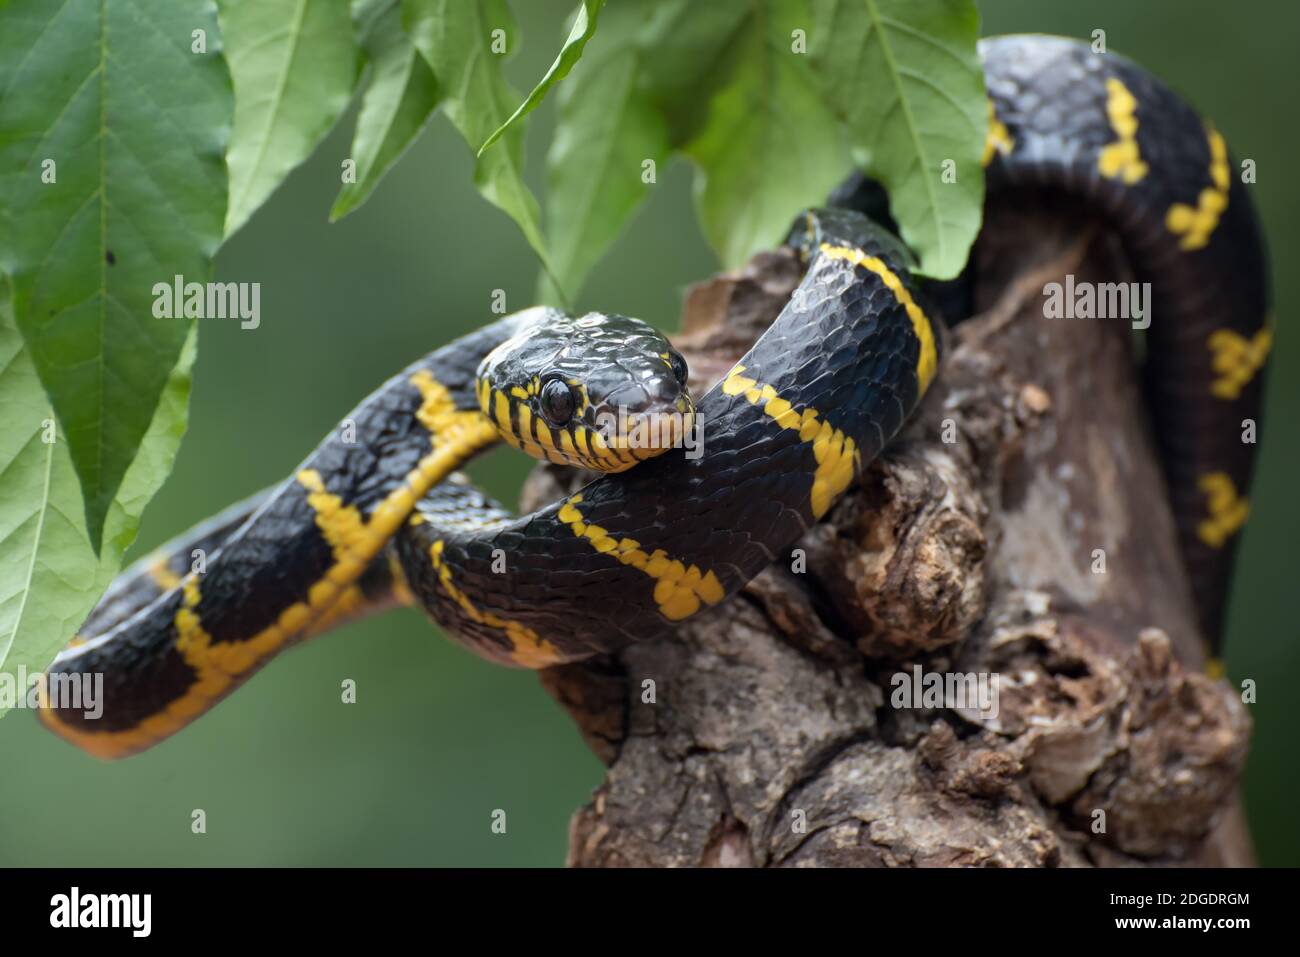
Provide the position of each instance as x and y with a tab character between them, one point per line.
366	16
401	97
769	146
905	78
688	49
294	64
456	38
895	84
584	25
645	90
111	179
50	577
608	128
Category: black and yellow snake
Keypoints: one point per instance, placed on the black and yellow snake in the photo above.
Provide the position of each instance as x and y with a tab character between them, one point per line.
376	514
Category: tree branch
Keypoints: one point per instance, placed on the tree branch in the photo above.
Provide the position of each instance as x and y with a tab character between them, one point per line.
772	738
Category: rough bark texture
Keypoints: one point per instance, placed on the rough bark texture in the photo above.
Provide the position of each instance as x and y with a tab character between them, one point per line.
772	738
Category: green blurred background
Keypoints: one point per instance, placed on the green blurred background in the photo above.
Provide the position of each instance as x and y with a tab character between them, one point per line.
411	773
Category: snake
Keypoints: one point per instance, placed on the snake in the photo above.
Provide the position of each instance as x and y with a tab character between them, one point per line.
379	513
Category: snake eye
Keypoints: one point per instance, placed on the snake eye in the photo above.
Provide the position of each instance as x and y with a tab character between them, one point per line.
678	365
557	402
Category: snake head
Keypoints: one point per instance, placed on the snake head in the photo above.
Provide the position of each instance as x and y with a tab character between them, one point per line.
600	392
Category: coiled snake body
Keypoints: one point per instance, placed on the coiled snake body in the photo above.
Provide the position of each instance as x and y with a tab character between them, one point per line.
377	515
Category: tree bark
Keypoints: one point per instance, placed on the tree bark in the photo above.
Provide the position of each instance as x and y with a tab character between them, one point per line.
773	738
